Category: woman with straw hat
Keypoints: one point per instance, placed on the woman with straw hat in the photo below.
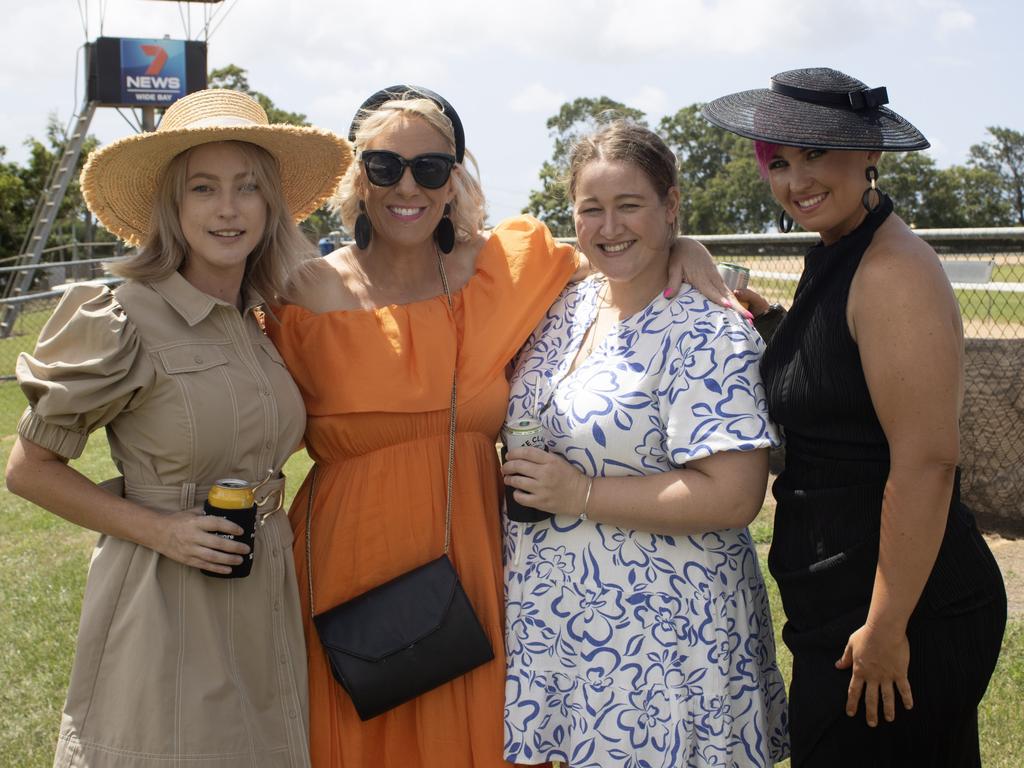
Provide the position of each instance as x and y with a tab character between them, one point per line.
895	606
173	665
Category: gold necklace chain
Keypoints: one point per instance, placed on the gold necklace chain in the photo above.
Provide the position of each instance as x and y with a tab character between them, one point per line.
594	329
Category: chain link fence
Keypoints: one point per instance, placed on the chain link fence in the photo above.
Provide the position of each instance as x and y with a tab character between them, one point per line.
986	268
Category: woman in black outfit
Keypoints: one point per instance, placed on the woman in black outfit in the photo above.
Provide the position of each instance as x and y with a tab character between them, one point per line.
895	606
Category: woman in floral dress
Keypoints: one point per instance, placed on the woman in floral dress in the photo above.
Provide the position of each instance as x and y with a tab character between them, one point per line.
638	626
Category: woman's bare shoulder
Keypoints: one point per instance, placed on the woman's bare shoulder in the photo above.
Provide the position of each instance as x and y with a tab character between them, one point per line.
901	278
322	285
897	257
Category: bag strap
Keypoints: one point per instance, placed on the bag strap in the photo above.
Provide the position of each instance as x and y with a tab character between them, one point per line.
451	460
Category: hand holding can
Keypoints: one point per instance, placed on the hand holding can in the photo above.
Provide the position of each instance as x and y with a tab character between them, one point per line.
520	434
735	277
234	500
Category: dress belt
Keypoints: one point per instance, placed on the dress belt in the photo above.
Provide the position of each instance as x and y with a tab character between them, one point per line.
269	495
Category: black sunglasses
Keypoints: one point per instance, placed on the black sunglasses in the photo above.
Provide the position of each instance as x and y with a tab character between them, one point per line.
385	168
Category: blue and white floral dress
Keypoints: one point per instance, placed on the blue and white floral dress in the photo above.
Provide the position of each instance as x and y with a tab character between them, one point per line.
628	648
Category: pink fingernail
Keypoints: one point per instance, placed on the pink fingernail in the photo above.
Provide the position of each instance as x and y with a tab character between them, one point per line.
667	294
727	304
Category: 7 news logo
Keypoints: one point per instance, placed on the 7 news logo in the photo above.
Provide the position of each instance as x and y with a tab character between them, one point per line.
150	79
153	71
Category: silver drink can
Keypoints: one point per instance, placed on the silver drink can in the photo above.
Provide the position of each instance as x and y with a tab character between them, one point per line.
522	433
734	275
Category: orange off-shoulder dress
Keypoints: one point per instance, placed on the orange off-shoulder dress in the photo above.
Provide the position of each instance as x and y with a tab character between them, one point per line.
377	387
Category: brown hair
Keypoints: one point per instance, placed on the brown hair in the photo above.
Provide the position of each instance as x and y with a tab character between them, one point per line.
626	141
281	248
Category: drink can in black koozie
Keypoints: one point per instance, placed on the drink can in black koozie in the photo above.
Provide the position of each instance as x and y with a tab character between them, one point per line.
520	434
234	499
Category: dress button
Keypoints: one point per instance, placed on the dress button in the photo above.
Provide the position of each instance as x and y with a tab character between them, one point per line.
198	359
270	444
291	713
273	553
277	605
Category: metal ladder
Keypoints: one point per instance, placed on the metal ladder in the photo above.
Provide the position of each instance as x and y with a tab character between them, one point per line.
44	217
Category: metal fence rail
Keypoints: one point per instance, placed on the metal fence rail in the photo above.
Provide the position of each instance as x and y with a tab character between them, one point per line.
992	421
992	425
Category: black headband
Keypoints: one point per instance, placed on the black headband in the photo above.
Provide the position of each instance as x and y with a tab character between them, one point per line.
862	98
396	93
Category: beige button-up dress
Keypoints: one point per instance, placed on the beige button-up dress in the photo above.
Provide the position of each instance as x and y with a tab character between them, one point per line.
172	667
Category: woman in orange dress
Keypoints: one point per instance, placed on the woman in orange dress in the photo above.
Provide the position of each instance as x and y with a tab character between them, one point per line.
372	344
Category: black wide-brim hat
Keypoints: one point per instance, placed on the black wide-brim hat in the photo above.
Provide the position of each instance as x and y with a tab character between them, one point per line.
819	108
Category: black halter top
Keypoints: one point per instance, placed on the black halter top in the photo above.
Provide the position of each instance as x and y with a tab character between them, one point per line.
813	374
825	544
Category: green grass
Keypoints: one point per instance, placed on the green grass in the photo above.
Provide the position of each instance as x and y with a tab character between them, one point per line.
26	329
989	305
974	304
1008	273
1001	729
43	563
999	718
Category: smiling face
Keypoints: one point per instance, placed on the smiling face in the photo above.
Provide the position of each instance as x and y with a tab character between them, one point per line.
821	188
222	213
406	213
623	224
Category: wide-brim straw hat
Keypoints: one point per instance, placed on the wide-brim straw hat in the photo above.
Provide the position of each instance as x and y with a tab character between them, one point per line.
119	181
819	108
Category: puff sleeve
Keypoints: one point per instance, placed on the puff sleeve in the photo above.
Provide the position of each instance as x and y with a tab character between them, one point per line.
87	368
711	395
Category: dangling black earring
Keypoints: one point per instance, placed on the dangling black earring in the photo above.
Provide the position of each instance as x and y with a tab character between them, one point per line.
871	174
444	233
364	229
785	222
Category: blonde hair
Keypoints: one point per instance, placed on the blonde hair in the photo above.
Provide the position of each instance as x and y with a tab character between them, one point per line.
280	250
468	206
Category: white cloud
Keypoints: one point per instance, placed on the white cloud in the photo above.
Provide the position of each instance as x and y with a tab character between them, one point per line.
947	17
506	66
537	97
941	152
652	100
954	20
689	28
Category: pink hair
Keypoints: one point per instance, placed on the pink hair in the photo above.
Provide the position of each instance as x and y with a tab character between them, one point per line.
764	151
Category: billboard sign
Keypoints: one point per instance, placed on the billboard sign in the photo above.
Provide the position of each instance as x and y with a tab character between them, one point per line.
152	71
133	72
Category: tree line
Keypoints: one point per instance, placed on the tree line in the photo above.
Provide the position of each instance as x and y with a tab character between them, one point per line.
22	185
722	189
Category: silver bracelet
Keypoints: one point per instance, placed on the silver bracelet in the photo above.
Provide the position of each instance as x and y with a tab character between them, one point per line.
586	499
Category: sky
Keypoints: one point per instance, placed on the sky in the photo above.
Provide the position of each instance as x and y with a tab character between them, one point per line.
952	67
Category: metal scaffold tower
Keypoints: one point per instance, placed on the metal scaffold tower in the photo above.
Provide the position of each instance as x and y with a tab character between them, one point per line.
26	265
44	217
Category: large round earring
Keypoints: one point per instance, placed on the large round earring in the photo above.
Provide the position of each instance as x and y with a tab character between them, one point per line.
363	229
871	174
444	233
784	222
